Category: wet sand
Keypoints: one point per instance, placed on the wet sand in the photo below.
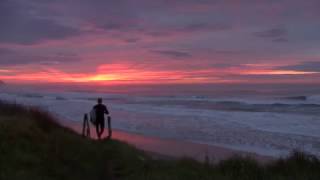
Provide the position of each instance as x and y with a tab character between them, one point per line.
168	148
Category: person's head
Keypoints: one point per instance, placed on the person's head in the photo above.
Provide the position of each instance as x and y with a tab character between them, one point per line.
99	100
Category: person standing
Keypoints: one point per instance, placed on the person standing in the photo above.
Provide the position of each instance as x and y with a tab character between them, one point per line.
100	110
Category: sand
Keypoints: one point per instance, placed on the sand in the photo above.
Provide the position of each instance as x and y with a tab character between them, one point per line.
169	148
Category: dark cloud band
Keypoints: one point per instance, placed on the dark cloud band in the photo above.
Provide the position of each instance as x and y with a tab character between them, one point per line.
310	66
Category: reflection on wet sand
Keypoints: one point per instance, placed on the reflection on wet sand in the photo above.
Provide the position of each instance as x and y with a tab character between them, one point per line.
167	148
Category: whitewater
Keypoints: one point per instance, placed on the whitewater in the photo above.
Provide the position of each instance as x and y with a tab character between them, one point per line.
266	125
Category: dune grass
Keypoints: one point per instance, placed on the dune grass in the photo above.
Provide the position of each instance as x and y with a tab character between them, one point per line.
34	146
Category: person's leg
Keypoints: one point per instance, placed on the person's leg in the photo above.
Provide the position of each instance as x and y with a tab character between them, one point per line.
101	127
97	129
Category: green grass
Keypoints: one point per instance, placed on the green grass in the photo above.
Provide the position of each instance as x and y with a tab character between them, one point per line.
33	146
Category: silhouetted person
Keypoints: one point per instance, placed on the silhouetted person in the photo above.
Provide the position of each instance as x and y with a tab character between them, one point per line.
100	110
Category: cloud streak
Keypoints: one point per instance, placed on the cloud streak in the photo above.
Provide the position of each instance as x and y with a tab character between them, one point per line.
279	34
172	53
309	66
13	58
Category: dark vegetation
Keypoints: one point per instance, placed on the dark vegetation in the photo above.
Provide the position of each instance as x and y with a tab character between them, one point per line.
33	146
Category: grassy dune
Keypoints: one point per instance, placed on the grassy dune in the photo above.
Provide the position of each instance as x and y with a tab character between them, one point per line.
33	146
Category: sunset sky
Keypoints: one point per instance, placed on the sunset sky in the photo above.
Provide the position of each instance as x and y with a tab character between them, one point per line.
160	41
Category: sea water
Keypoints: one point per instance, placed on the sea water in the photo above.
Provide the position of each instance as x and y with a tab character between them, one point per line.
265	119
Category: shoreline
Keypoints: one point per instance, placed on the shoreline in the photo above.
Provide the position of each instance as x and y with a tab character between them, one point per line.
164	148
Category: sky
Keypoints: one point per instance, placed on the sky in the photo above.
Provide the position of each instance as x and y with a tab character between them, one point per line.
160	41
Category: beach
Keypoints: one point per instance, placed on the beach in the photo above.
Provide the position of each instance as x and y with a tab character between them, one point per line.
172	149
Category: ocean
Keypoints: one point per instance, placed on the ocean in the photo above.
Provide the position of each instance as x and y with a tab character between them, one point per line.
262	118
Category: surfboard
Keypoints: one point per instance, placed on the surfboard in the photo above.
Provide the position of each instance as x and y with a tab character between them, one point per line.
93	118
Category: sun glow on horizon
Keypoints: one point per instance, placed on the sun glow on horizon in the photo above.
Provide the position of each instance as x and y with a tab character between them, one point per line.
94	78
126	73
